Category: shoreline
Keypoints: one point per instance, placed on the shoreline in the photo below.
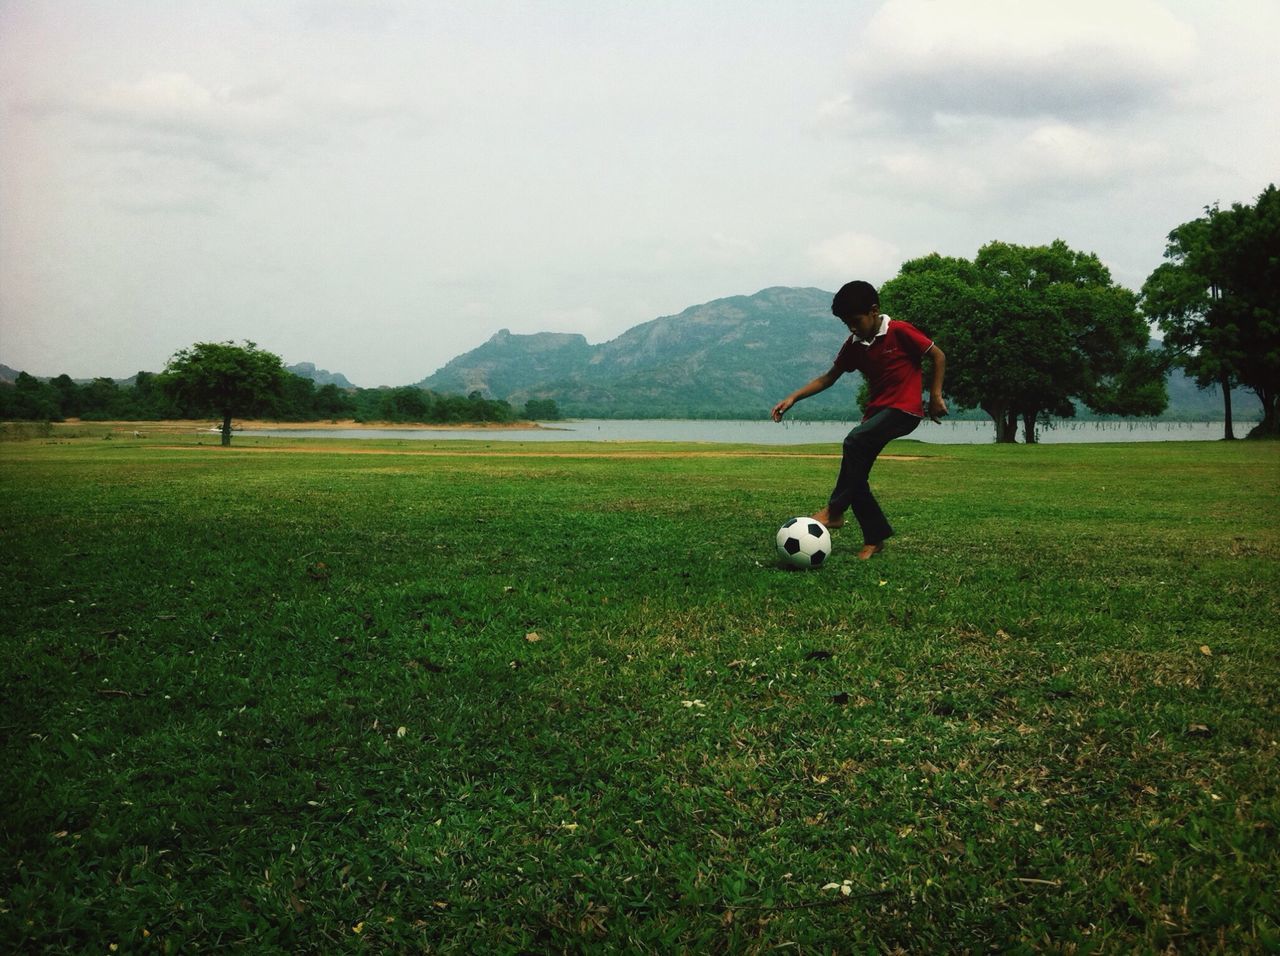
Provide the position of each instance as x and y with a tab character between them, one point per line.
238	426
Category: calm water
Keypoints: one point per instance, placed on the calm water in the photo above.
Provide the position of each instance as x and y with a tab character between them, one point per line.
771	433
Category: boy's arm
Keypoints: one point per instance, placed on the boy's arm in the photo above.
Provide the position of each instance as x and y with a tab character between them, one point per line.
937	406
819	384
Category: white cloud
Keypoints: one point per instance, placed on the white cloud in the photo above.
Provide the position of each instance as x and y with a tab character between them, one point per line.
1002	162
176	112
1006	102
1022	58
855	254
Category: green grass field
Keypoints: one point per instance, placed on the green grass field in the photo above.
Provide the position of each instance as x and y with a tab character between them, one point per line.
372	696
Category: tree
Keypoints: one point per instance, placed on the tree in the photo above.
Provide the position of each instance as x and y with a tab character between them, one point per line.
1217	300
1244	262
1183	301
332	402
70	400
542	410
224	378
149	398
100	399
1029	331
32	400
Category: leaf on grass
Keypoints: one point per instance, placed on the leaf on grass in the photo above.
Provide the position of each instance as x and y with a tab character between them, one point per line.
1199	730
1206	650
532	637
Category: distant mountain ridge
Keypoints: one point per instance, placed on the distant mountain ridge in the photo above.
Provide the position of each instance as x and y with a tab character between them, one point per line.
320	376
729	358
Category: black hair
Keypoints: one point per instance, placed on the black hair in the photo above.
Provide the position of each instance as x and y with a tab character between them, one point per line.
854	298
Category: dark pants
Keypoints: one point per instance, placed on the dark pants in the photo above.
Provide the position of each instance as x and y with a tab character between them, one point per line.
852	490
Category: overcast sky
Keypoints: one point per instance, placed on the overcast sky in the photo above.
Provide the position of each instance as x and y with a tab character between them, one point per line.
376	186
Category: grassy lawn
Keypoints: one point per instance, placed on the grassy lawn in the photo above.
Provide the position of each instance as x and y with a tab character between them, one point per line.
298	696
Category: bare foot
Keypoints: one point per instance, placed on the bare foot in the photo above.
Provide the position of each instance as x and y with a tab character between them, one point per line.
825	517
870	550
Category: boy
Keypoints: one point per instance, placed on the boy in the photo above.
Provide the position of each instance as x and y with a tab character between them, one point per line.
888	353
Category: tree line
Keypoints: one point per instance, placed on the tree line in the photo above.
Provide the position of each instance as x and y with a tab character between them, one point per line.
266	389
1031	332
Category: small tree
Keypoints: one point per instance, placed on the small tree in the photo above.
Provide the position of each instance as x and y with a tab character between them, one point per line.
224	378
542	410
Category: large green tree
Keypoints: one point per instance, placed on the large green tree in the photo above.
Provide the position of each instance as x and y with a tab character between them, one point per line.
1217	300
226	379
1030	330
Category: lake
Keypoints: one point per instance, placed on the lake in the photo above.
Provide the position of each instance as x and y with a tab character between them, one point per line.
771	433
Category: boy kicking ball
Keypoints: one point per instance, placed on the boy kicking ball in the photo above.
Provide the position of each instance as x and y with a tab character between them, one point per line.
889	354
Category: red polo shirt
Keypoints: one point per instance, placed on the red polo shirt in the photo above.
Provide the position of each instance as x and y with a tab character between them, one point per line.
890	363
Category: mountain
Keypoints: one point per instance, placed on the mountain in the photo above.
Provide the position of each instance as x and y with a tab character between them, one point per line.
730	358
319	376
1188	402
733	357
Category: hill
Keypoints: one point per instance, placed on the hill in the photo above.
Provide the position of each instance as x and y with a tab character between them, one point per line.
320	376
729	358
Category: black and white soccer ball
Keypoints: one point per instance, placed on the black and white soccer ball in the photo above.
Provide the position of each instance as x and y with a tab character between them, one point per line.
804	543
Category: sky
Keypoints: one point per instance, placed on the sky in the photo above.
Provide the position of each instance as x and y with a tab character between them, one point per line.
377	186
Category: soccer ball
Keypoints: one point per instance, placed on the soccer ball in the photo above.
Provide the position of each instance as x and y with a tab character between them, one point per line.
804	543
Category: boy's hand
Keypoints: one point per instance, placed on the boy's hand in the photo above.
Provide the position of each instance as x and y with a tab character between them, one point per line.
937	408
781	409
